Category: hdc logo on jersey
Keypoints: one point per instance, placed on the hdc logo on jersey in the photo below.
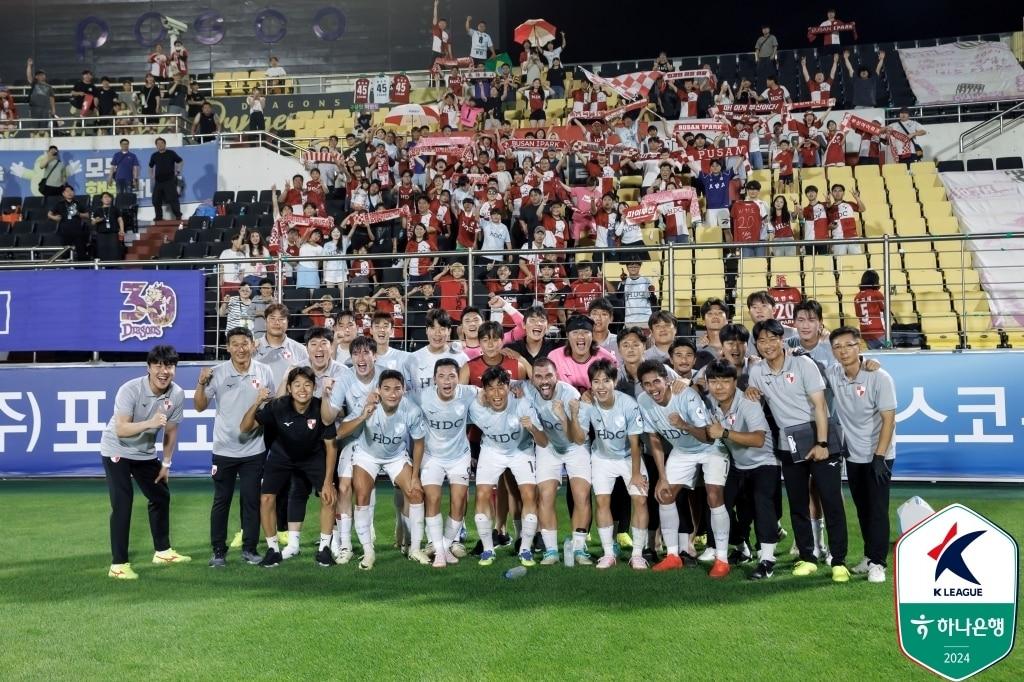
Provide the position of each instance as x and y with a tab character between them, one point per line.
150	308
956	592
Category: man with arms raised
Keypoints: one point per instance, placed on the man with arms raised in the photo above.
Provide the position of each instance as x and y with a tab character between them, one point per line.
558	405
142	407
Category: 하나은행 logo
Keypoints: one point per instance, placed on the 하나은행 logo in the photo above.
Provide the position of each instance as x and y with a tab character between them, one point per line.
150	308
956	582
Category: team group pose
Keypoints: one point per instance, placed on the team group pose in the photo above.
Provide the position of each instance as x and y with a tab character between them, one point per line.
703	446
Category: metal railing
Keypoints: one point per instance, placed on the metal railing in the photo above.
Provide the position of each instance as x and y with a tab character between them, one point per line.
993	127
956	112
129	124
260	138
922	286
53	254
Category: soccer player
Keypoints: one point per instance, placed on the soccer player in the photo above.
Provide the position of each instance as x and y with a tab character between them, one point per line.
681	420
142	407
616	454
383	425
345	331
302	452
237	456
421	365
740	430
445	409
352	396
509	427
319	341
795	392
865	402
761	307
557	404
382	328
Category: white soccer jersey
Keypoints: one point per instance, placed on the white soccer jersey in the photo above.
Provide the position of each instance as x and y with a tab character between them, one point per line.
613	425
446	422
419	367
502	431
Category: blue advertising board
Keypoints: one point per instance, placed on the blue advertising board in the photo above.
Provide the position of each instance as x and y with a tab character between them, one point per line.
959	417
89	172
101	310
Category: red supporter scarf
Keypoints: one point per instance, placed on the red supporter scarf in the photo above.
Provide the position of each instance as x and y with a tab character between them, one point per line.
692	74
320	157
641	213
379	216
667	196
433	142
610	113
861	125
530	143
815	31
769	108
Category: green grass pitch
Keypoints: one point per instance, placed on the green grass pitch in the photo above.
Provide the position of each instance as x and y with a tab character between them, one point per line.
64	619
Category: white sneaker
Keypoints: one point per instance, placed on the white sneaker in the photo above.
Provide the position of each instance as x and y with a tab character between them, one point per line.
707	555
428	549
876	573
794	550
863	567
419	555
290	551
336	547
439	561
368	560
345	555
459	550
449	557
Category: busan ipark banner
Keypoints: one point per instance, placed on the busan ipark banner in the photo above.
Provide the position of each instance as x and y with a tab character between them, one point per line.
963	72
52	417
101	310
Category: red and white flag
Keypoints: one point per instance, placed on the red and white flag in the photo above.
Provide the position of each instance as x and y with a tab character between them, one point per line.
630	85
609	114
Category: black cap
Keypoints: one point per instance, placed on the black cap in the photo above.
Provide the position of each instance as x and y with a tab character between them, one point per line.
578	322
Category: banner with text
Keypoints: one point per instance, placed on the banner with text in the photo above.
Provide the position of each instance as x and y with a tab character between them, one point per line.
89	172
52	417
963	72
101	310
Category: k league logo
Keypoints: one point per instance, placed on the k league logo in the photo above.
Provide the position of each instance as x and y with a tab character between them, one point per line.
150	308
956	592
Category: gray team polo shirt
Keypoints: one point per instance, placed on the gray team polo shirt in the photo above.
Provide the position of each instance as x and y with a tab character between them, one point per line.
745	416
558	440
137	399
822	353
787	334
859	403
281	358
788	390
235	392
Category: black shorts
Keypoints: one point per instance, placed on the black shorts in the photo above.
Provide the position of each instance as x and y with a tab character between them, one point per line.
279	470
538	115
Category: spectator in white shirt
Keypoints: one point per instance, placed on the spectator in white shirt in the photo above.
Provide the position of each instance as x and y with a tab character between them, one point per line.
481	44
551	52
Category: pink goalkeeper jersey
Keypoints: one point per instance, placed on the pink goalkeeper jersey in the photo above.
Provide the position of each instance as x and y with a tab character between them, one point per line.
575	373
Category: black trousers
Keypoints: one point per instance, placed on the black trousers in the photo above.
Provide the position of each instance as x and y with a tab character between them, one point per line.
248	471
828	479
119	484
872	501
753	491
166	192
765	68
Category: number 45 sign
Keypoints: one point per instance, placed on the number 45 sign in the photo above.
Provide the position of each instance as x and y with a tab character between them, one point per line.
956	592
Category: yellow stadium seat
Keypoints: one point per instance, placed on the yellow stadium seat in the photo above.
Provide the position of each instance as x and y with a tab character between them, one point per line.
962	279
849	281
709	286
929	192
703	267
923	168
919	261
903	199
933	303
631	181
984	340
924	280
878	226
819	283
941	332
899	183
708	235
651	269
753	265
894	170
936	209
628	194
221	83
915	247
652	236
841	174
866	171
1014	338
902	308
946	224
910	225
788	267
855	262
977	321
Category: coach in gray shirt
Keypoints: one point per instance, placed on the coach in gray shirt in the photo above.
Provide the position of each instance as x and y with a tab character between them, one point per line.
795	392
275	349
866	405
236	455
142	408
741	430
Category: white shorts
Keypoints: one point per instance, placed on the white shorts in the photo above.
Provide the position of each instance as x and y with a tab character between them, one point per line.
345	460
682	469
718	217
433	471
373	466
576	461
605	471
844	249
492	464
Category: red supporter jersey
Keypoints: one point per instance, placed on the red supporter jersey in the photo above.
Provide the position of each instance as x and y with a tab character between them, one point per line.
691	104
477	367
582	292
783	228
509	290
746	221
870	307
453	296
559	227
405	196
816	215
785	162
808	155
421	266
469	226
397	316
844	213
536	99
785	299
820	92
776	95
835	152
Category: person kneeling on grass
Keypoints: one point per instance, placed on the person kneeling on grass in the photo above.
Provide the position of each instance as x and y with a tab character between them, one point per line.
142	407
303	447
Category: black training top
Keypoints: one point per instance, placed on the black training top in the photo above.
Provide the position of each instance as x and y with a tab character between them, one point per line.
296	436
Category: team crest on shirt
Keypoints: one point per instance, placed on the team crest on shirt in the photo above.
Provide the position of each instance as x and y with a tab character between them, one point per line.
731	419
286	354
311	423
790	378
256	383
860	390
167	404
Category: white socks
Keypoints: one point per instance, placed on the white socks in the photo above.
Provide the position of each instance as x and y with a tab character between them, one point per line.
550	538
363	522
529	530
579	540
767	552
639	540
293	538
272	543
720	527
670	527
452	530
435	533
345	528
483	529
607	535
415	526
325	540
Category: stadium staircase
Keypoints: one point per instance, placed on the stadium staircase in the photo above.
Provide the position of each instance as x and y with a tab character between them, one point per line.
151	239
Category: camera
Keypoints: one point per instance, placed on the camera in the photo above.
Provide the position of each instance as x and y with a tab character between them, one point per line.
173	25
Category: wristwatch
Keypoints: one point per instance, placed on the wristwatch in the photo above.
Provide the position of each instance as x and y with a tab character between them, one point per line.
725	434
822	444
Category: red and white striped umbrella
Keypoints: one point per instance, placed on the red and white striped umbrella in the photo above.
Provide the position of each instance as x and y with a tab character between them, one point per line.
411	114
539	32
